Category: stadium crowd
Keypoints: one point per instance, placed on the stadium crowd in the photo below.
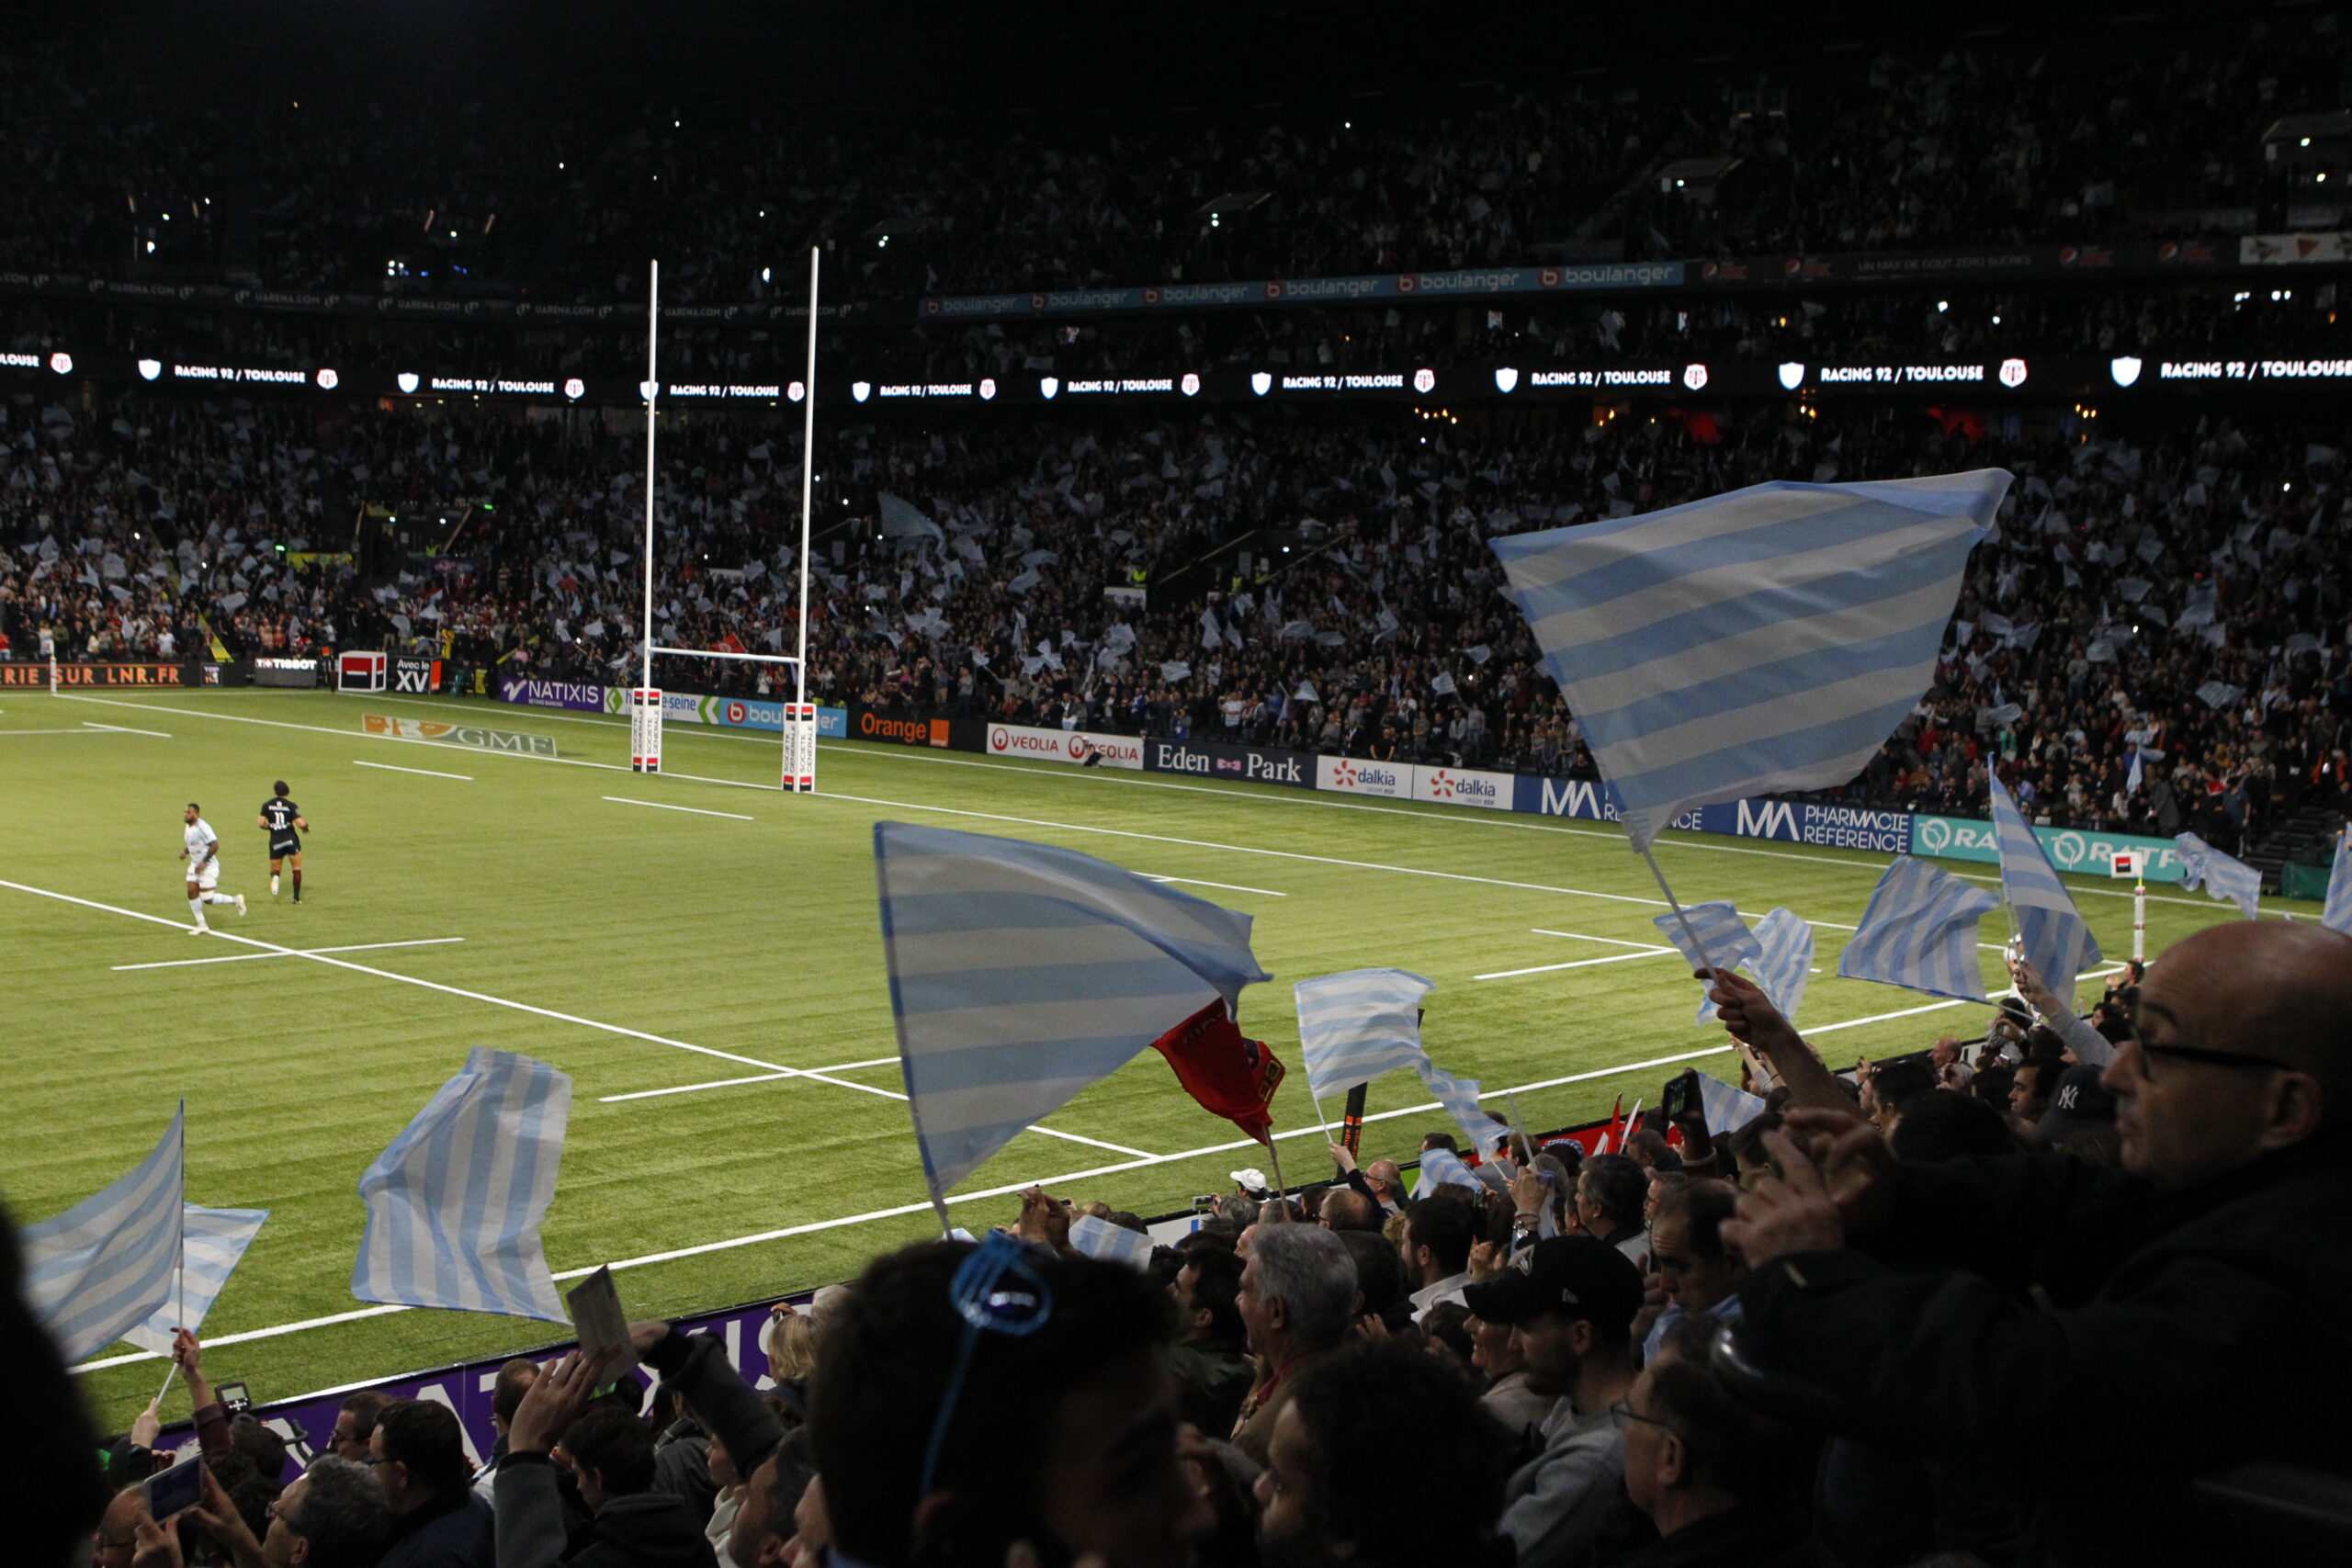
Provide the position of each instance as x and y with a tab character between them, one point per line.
1974	1307
443	187
2175	600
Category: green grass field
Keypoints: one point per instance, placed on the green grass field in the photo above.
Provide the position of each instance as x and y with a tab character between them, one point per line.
662	937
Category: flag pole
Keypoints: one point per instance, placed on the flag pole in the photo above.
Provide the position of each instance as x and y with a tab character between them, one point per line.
1676	904
1274	1158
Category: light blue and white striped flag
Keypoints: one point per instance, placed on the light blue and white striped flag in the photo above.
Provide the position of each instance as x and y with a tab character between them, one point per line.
1107	1243
1726	1107
1722	936
1767	640
454	1202
2337	916
2056	940
1920	933
1460	1098
217	1238
1783	960
1022	973
1442	1167
2225	877
1357	1024
97	1270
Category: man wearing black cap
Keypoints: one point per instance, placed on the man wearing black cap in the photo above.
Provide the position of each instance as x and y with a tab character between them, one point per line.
1570	1302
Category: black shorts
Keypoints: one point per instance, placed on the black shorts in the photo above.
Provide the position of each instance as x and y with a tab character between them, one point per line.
280	848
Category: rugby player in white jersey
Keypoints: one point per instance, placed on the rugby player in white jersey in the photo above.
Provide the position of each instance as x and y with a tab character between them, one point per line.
203	856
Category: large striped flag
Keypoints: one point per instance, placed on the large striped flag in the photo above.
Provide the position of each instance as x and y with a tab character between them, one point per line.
454	1202
1460	1098
1022	973
2056	940
1784	962
1724	942
1355	1025
2337	916
1920	933
216	1239
2225	877
97	1270
1767	640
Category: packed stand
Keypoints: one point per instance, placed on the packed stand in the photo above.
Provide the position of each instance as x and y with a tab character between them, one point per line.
2176	602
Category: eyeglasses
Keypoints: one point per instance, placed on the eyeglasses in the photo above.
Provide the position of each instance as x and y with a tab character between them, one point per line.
1623	1412
2148	1055
995	1292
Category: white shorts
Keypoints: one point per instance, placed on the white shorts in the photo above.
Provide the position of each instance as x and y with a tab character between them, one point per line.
209	877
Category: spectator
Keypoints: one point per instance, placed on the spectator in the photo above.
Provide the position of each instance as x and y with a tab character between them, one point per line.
332	1515
507	1390
1329	1492
1380	1284
1512	1394
763	1522
1698	1276
1570	1302
355	1425
1889	1084
1945	1124
2036	1078
418	1452
611	1455
1901	1292
1296	1293
1437	1252
1610	1189
1210	1360
1345	1209
1706	1469
1065	1435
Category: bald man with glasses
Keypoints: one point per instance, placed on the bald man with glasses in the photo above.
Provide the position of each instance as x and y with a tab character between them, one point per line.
2127	1332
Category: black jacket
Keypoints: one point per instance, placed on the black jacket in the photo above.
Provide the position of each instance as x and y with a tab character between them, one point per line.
455	1532
649	1530
2109	1341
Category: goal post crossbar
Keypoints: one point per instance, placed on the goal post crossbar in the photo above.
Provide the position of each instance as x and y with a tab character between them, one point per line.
722	653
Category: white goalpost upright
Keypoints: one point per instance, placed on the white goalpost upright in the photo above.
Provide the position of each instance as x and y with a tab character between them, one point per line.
799	723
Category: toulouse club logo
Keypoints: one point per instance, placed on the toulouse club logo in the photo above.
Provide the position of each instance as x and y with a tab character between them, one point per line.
987	388
1694	377
1425	380
1190	384
2012	372
575	388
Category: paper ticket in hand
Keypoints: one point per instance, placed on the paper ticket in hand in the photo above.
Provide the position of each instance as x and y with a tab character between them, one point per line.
602	1327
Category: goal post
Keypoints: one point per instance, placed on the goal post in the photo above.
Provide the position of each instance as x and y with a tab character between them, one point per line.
644	729
799	773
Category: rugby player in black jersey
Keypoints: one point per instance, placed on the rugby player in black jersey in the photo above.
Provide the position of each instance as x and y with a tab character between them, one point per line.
279	818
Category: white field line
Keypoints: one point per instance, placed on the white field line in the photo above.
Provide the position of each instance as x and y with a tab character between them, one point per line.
1228	886
90	730
304	952
125	729
1647	947
730	1083
1262	797
663	805
1578	964
426	773
903	1210
400	739
817	1074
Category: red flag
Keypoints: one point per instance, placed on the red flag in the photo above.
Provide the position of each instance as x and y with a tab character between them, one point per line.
1614	1139
1230	1076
